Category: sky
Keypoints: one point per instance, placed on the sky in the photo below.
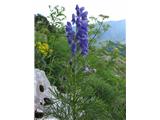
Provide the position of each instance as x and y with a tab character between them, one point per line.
115	9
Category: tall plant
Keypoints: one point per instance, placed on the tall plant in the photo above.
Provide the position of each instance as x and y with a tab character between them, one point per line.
77	101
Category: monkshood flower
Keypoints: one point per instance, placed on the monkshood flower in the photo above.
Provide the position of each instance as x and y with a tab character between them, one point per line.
78	39
70	33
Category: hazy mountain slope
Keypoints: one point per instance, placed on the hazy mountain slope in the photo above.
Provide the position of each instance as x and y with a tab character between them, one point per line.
116	32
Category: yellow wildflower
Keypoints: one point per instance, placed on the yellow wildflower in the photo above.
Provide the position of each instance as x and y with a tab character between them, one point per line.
43	48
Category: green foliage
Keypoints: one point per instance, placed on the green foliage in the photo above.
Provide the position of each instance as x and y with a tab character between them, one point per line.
96	95
96	27
56	17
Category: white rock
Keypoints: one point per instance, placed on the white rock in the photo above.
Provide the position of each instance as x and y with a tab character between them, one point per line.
41	89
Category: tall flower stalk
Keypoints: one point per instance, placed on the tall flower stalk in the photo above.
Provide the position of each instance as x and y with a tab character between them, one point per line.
78	42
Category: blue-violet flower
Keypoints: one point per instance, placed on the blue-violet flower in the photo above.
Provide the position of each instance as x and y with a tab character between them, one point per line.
79	38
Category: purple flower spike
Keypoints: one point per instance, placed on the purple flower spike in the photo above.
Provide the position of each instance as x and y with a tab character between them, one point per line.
69	33
80	37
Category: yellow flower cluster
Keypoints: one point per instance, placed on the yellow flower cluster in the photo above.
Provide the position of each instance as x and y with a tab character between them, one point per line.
43	48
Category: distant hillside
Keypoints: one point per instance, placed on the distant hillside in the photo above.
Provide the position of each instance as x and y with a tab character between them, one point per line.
116	32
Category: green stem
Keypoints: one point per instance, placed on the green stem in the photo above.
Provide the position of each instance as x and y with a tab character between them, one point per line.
75	88
95	33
